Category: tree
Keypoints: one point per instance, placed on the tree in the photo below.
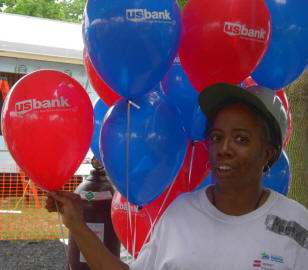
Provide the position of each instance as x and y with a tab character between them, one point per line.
297	147
73	9
65	10
182	3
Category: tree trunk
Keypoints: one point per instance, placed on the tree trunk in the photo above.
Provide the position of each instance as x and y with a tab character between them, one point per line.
297	149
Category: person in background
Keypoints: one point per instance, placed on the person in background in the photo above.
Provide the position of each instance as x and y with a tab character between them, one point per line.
236	223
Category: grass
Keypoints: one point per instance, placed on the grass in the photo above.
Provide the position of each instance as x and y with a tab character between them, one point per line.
32	223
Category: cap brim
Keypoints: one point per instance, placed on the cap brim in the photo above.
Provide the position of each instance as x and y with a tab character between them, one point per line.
214	96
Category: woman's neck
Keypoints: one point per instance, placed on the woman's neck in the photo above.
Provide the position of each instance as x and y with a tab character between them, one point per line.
237	201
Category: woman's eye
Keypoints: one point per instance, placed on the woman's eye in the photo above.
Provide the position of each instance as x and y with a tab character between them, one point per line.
214	138
242	139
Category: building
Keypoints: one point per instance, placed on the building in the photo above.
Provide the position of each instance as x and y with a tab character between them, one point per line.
28	44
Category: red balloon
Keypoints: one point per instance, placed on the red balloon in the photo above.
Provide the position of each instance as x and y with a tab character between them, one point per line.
283	96
223	40
47	123
249	81
102	89
290	128
140	223
196	165
133	235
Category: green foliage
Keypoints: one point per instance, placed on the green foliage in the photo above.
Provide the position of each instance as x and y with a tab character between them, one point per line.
73	9
64	10
68	10
298	145
182	3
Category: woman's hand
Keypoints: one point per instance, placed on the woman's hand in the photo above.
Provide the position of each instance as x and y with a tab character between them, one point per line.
69	205
97	255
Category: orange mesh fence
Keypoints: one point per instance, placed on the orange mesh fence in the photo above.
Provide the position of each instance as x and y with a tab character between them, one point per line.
22	212
4	86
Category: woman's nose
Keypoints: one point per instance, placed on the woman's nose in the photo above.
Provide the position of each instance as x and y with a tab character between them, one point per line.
225	147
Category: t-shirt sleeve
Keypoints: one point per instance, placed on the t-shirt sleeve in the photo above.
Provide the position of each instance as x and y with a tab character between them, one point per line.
301	261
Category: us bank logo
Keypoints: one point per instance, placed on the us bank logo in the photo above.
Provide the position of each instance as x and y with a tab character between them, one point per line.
243	31
29	105
144	15
125	206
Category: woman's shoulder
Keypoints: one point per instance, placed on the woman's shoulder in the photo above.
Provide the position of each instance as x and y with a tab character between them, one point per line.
186	202
290	208
189	198
290	202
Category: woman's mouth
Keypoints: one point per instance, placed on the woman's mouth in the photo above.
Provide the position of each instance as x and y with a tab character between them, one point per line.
224	170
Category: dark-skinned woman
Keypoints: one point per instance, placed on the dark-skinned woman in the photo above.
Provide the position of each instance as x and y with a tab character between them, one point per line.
235	224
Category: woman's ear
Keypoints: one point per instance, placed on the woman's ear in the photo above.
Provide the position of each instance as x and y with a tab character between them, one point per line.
269	153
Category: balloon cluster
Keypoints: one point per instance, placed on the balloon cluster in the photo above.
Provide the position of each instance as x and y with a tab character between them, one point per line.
147	63
152	139
226	41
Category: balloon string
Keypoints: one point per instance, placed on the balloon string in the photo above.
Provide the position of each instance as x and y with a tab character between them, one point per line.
60	224
151	227
134	239
129	221
160	209
23	195
62	234
127	160
127	242
150	218
191	163
134	104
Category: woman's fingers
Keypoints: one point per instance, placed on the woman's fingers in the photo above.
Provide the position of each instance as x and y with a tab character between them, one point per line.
62	198
68	204
50	204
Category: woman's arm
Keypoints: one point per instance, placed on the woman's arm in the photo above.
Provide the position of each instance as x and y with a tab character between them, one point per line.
97	255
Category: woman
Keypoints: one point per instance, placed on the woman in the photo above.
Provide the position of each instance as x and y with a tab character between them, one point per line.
234	224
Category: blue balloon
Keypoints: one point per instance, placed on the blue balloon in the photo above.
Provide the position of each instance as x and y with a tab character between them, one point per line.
131	44
280	175
157	147
182	94
100	109
287	54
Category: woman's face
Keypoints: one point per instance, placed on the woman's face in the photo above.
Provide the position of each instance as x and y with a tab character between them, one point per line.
238	146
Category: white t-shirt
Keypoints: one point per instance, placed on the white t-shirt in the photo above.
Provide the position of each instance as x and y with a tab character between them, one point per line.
192	234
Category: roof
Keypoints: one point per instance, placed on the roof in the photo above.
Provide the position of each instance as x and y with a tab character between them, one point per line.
40	39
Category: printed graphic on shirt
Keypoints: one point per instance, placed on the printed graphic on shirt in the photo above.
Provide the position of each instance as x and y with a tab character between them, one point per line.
288	228
268	261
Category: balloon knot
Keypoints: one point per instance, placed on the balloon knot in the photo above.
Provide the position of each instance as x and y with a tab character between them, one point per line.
133	104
